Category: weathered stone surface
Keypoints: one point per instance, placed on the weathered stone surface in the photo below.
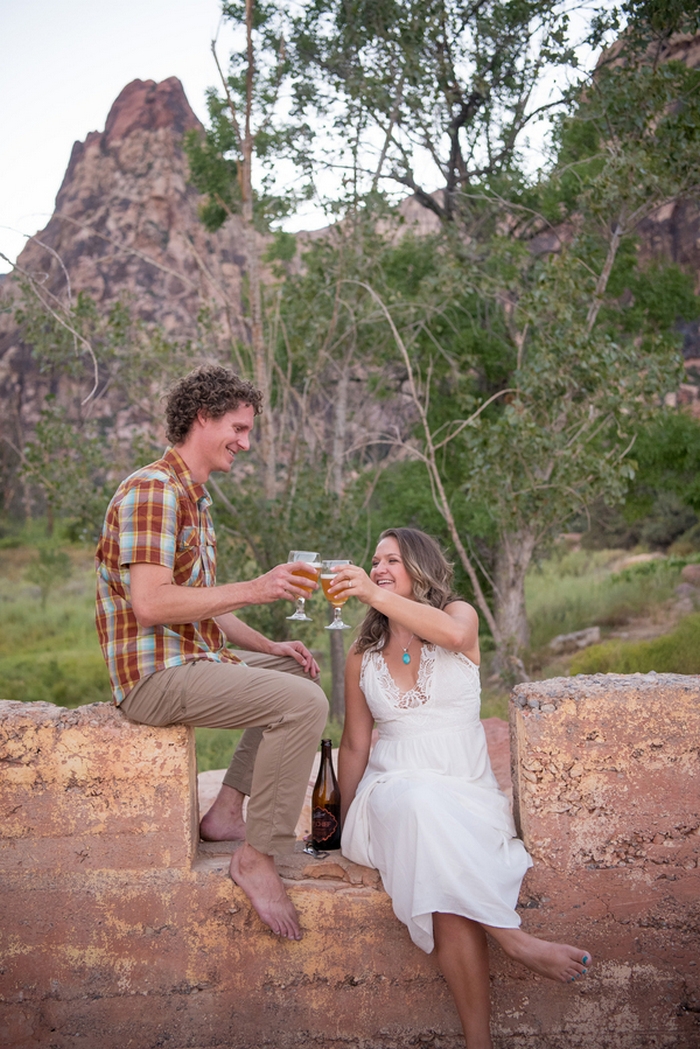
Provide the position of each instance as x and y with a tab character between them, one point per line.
606	770
171	953
88	789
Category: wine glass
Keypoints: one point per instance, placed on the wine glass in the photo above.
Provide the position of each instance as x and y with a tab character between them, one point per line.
309	570
337	600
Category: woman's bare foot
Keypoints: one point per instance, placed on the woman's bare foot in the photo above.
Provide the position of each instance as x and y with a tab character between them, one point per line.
556	961
224	820
257	875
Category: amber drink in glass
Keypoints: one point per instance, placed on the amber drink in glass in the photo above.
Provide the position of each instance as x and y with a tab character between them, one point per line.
328	569
308	570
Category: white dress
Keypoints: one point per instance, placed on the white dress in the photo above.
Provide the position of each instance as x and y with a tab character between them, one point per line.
428	812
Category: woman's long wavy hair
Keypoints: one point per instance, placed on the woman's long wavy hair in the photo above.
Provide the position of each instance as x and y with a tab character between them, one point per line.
431	575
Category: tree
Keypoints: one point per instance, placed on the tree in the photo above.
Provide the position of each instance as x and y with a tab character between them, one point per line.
49	569
662	504
437	93
245	128
552	432
106	375
302	355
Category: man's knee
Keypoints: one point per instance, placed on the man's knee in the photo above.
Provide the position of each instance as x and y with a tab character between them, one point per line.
312	704
321	702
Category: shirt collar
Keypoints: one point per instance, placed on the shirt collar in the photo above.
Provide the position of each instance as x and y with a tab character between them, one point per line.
196	491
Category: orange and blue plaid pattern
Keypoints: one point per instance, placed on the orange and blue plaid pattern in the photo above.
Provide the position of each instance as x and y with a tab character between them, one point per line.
159	516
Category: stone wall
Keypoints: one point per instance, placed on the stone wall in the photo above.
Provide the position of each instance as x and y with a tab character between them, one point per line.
606	771
606	785
118	928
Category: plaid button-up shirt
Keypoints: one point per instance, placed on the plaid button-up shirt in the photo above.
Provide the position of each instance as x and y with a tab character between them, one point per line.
158	516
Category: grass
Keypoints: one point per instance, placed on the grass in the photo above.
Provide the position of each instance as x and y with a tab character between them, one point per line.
578	589
581	589
215	747
49	654
674	653
52	654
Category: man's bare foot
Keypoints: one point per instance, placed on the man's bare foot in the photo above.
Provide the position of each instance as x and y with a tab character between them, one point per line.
224	820
257	875
556	961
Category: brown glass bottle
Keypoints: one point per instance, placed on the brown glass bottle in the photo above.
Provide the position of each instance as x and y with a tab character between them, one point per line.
325	803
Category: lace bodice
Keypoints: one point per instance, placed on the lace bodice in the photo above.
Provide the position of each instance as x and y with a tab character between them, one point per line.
446	693
416	696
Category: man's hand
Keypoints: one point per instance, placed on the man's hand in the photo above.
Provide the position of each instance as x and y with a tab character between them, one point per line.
280	583
249	640
297	651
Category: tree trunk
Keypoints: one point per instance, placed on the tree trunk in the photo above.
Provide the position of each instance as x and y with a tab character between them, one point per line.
512	562
340	425
261	366
337	648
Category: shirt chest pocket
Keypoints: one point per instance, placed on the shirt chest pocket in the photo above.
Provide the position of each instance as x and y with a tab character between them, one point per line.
195	563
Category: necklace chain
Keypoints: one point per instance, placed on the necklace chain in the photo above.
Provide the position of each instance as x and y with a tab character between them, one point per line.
405	658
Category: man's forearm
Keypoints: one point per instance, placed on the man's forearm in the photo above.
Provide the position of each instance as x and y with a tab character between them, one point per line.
167	602
241	635
156	600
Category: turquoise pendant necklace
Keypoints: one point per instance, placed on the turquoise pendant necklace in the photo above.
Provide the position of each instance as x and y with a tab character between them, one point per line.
406	657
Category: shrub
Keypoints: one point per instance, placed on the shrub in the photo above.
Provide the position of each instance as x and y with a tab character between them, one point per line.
674	653
578	590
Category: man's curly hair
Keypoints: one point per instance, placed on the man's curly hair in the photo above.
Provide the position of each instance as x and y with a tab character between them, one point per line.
210	389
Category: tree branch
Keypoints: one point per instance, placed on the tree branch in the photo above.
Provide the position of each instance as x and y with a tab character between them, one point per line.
441	500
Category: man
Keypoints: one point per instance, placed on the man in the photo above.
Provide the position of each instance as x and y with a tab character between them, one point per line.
163	624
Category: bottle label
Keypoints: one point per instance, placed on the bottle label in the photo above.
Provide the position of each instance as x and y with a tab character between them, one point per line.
324	825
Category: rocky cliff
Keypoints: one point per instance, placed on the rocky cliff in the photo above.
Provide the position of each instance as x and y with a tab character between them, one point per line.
125	228
126	218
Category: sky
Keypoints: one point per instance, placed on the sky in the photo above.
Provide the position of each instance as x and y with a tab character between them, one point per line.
63	63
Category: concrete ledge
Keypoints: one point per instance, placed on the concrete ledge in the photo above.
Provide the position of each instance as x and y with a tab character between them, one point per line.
163	950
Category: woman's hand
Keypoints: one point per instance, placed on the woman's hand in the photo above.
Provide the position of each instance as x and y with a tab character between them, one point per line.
354	581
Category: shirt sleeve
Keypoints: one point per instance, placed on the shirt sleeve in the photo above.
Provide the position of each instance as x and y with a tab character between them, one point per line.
148	525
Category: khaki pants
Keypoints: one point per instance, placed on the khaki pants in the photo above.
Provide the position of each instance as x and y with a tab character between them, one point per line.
283	711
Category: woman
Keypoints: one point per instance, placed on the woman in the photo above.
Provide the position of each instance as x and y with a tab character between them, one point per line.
424	808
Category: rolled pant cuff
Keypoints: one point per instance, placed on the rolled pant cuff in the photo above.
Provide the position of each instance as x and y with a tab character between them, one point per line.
280	844
242	785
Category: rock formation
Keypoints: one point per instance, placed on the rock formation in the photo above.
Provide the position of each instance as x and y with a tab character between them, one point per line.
126	219
125	228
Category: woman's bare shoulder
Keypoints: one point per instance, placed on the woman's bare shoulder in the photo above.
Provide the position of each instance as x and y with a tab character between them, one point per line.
461	608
